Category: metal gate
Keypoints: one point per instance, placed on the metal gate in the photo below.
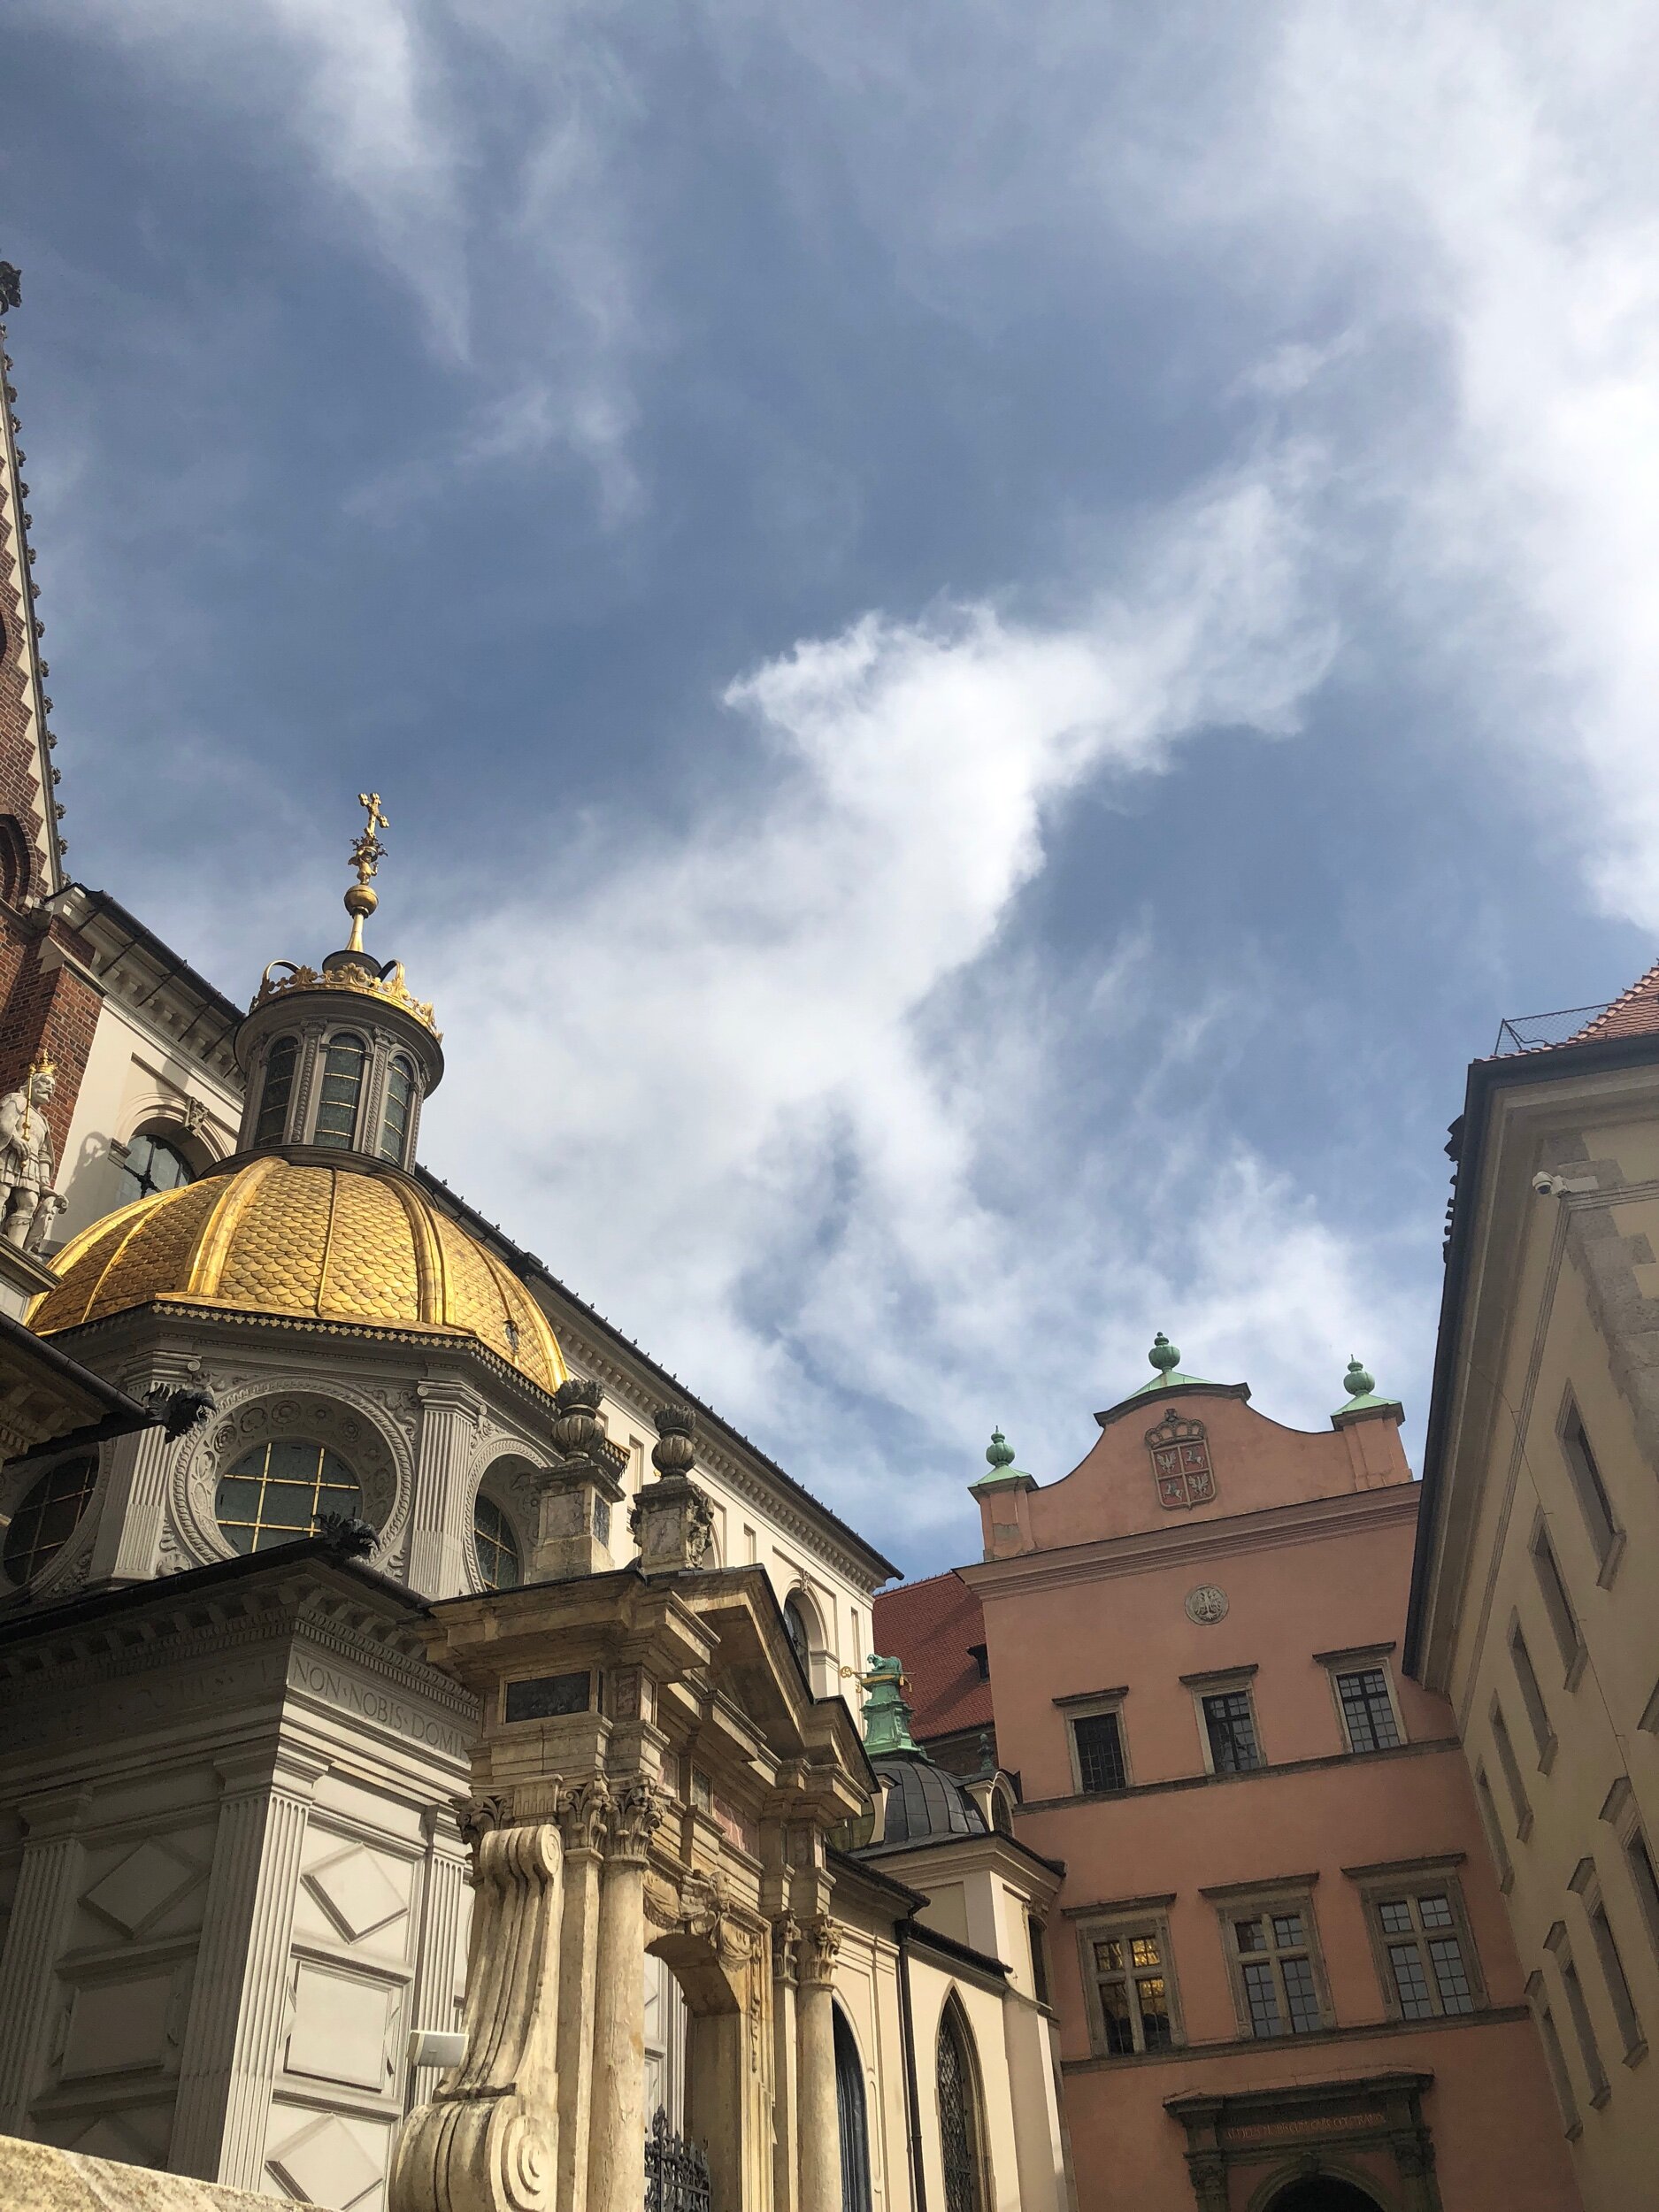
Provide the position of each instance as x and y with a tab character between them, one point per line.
676	2172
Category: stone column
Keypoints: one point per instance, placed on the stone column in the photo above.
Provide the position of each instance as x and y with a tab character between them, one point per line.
238	1991
785	2144
616	2158
40	1921
445	1908
820	2158
448	1417
582	1822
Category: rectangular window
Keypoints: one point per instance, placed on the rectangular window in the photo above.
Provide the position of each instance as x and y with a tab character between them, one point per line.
1230	1726
1557	1604
1578	2013
1098	1738
1555	2058
1511	1767
1273	1955
1367	1711
1617	1987
1493	1827
1423	1942
1532	1697
1131	1982
1590	1490
1639	1860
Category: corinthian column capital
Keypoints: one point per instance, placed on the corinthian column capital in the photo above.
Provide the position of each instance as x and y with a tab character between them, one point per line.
820	1941
636	1812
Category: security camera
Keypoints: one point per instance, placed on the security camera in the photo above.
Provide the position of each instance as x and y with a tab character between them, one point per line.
1546	1185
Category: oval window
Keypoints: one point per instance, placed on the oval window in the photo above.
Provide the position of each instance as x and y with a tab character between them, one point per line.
45	1521
279	1491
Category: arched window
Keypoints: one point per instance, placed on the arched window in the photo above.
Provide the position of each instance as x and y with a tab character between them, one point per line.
342	1086
494	1547
279	1491
855	2120
279	1087
152	1164
800	1635
1002	1813
961	2132
400	1096
45	1521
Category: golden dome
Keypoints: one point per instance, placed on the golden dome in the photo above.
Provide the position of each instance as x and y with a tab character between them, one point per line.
354	1242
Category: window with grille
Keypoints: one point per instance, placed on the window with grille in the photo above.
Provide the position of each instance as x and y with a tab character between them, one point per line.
1423	1942
1367	1711
1230	1724
152	1164
399	1092
494	1547
279	1088
279	1491
342	1088
1131	1977
47	1516
1273	1953
960	2133
1099	1753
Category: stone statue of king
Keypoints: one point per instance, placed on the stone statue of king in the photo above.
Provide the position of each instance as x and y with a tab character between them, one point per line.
28	1165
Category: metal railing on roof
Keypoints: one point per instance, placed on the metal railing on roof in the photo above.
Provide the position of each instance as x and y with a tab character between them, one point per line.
1537	1033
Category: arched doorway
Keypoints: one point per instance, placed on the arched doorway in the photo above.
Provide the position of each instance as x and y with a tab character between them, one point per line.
855	2119
1322	2193
961	2118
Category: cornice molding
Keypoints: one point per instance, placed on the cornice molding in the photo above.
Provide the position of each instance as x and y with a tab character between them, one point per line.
1307	1520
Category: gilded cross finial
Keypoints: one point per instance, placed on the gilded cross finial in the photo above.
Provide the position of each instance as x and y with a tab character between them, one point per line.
366	854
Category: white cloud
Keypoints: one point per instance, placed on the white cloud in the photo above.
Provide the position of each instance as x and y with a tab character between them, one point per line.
741	1119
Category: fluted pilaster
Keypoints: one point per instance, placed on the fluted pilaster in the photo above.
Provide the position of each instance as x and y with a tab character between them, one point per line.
40	1916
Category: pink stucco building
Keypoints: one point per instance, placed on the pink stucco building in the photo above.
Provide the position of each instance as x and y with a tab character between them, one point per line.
1282	1972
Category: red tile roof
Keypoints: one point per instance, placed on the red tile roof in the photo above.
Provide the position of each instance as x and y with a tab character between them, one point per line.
931	1627
1635	1014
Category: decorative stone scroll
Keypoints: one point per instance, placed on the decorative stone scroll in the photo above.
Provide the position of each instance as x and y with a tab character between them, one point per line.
488	2141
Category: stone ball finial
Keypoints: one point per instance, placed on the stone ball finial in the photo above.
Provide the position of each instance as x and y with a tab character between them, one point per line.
674	1452
1165	1356
577	1426
1356	1382
999	1452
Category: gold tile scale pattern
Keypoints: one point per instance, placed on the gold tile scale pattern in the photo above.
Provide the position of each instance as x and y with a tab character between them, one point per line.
356	1242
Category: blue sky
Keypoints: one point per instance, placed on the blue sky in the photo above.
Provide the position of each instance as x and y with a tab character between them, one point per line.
995	636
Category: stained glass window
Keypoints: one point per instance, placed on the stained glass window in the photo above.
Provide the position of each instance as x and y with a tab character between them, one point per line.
342	1084
45	1521
400	1091
279	1087
959	2131
279	1491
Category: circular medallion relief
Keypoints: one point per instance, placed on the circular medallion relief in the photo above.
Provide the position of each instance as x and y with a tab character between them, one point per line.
1206	1604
